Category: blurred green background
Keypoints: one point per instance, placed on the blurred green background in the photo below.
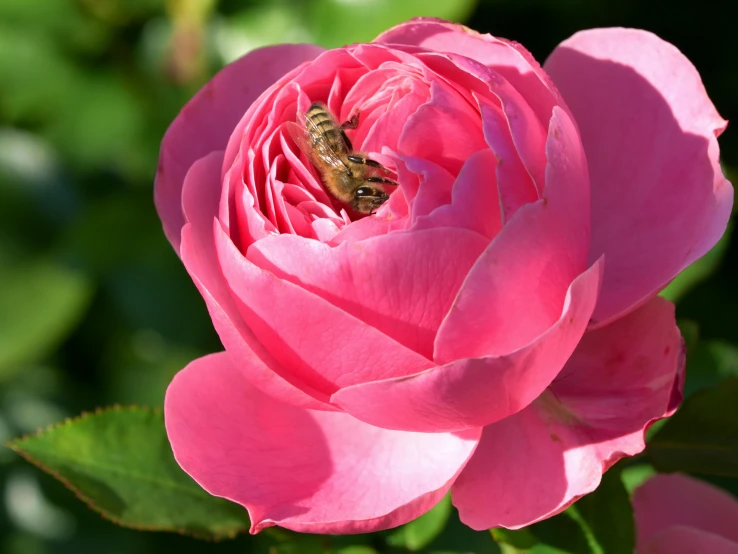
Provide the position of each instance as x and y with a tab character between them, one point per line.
95	308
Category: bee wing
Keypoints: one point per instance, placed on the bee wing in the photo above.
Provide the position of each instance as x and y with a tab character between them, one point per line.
320	152
299	136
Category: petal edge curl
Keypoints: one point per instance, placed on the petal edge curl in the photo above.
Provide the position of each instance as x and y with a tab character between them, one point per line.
207	121
536	463
475	392
310	471
659	198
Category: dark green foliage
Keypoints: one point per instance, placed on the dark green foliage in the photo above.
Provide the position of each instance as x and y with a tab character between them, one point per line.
702	437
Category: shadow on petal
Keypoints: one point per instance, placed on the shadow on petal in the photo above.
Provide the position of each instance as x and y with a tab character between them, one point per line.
659	199
306	470
536	463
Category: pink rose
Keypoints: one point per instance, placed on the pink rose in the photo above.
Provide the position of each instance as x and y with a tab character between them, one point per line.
676	514
493	329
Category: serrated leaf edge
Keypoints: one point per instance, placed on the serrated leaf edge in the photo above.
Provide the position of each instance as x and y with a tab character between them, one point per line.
14	445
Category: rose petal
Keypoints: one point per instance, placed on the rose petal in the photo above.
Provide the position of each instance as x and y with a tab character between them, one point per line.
686	540
209	119
515	184
659	199
454	125
474	204
364	228
509	59
510	128
537	462
668	500
200	204
239	210
322	345
412	173
387	129
475	392
310	471
522	127
401	283
434	185
516	289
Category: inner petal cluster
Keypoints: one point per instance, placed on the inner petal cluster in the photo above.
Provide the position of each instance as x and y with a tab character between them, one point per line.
413	117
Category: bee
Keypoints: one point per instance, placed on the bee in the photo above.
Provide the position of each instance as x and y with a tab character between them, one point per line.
350	176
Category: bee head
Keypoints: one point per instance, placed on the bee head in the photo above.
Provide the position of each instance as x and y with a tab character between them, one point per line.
368	199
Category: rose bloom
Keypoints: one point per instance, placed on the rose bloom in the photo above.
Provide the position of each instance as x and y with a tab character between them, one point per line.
493	329
676	514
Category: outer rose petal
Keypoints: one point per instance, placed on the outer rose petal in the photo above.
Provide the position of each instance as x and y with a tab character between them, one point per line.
200	195
400	283
312	471
659	199
210	117
516	289
536	463
293	324
687	540
665	501
478	391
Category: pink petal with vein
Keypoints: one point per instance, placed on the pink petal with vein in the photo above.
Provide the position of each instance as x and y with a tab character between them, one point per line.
210	117
474	392
516	289
310	471
200	203
293	324
536	463
401	283
659	199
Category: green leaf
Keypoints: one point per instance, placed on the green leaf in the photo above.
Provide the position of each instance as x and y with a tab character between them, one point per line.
119	462
562	532
702	437
634	476
40	303
543	549
307	545
599	523
699	270
690	331
288	542
339	22
521	541
457	538
419	533
708	363
607	516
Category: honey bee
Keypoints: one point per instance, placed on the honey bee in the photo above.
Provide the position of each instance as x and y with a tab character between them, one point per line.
350	176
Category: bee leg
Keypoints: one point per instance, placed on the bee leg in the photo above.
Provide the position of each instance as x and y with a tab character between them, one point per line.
352	123
382	180
366	161
346	140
